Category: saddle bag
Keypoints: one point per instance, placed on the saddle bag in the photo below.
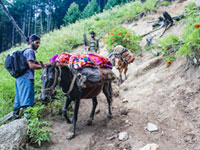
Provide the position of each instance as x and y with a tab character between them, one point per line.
128	56
89	76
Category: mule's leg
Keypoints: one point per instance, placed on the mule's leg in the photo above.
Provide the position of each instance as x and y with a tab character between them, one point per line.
107	90
75	117
120	76
94	102
67	102
125	70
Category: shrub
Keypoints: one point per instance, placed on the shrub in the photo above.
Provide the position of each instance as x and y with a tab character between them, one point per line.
191	46
36	131
169	46
191	36
124	37
189	7
169	42
164	3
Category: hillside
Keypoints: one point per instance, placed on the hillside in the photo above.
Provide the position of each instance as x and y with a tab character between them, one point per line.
168	97
153	93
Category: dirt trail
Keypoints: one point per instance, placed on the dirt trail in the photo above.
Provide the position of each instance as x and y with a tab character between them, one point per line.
167	97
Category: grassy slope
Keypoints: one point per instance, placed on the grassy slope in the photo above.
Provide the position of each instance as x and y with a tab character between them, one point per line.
65	39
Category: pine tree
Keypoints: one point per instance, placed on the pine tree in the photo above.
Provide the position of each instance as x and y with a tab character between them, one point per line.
112	3
72	14
91	9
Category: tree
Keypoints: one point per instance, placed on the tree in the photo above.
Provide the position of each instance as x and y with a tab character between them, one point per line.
5	10
49	16
82	4
60	9
91	9
112	3
72	14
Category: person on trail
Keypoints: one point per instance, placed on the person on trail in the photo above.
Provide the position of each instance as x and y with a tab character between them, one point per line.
24	85
93	43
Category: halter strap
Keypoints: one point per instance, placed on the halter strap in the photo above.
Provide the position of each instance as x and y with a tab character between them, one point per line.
55	82
71	85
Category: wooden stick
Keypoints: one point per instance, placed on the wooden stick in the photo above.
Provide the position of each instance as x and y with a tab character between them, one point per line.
166	28
152	31
6	118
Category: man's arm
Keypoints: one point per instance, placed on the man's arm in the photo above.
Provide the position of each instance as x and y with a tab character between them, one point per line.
32	65
86	42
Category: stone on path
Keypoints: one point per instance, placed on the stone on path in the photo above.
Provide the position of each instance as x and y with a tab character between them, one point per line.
152	127
123	136
123	111
152	146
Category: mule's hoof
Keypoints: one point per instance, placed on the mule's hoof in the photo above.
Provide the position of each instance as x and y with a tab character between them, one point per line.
109	116
89	122
70	136
68	121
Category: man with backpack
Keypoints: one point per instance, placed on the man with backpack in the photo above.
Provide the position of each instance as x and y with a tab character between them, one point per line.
24	84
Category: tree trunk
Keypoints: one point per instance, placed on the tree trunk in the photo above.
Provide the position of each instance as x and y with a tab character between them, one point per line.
48	23
5	10
35	21
13	36
49	16
105	1
30	17
35	25
24	24
41	25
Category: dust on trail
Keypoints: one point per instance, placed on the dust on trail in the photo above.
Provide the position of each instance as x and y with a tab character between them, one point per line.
167	97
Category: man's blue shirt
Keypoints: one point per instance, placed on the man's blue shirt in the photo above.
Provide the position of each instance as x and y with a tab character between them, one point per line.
30	56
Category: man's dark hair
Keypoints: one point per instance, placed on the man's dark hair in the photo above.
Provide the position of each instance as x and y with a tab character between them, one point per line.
92	32
33	38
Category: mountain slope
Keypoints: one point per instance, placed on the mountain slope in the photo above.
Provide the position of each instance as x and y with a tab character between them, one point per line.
168	97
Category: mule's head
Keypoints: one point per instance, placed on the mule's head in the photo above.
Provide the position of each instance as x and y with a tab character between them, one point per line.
49	79
118	61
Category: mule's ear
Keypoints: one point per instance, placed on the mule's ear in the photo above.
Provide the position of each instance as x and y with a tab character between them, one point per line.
42	65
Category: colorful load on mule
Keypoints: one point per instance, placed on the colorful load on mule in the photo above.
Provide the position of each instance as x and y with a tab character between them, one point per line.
90	68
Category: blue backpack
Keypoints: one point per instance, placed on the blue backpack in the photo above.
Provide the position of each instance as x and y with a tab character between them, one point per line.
16	63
